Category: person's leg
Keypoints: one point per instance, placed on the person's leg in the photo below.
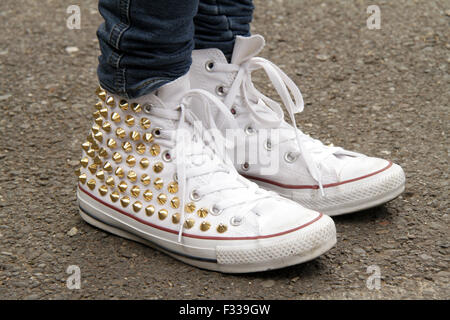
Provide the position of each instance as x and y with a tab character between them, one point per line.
144	44
218	22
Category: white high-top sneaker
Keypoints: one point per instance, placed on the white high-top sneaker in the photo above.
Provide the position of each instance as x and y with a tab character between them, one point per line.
327	179
149	174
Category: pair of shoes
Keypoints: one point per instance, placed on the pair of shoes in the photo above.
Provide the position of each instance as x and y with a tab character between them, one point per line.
150	172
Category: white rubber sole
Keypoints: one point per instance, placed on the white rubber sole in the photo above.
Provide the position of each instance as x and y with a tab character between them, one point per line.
228	256
349	197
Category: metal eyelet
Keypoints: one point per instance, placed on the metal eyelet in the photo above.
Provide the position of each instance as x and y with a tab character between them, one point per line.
249	130
215	211
220	90
175	177
166	156
268	145
156	132
236	221
209	65
147	107
195	196
233	110
289	157
245	166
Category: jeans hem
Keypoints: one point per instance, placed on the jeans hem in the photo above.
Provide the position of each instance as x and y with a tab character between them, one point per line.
142	89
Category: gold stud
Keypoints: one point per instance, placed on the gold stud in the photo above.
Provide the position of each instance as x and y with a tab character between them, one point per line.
123	104
145	123
91	153
84	162
110	181
114	196
107	167
221	228
189	223
106	126
91	184
101	93
135	136
148	195
147	137
137	206
98	90
127	147
103	153
136	107
122	186
103	190
144	163
132	176
100	175
92	168
173	187
205	225
120	133
190	207
145	179
98	105
97	160
162	198
95	128
155	150
95	146
99	136
125	201
140	148
119	172
98	121
135	190
175	203
90	138
82	178
103	112
110	102
176	218
115	117
117	157
158	183
158	167
202	212
86	145
129	120
149	210
111	143
162	214
96	114
131	160
78	172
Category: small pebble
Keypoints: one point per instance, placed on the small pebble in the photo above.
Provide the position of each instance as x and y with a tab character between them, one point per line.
72	232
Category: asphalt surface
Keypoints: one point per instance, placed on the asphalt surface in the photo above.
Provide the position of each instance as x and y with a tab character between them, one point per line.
381	92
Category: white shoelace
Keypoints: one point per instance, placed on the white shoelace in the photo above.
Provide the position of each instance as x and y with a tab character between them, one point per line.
187	148
285	87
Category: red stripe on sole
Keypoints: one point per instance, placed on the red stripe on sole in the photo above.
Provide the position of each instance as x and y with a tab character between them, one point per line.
291	186
196	236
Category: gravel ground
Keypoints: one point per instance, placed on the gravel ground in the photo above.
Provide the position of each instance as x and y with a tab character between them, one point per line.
381	92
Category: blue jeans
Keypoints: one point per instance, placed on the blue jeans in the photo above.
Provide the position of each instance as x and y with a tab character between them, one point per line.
147	43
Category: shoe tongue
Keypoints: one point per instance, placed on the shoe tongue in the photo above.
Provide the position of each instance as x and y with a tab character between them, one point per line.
172	92
246	48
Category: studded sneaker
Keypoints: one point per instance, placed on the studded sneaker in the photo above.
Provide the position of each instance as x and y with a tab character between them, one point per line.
149	174
324	178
